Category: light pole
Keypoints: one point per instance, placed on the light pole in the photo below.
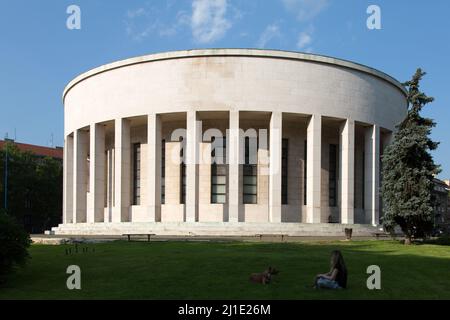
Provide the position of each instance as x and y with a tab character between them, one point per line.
6	177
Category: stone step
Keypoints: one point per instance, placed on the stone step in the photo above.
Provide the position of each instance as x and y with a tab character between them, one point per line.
214	229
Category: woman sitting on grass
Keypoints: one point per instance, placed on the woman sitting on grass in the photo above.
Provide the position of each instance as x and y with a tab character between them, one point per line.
337	277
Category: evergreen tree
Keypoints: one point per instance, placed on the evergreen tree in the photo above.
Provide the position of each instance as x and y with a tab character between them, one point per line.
409	169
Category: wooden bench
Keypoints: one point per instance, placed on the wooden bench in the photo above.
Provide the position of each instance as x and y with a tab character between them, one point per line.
380	234
271	235
129	235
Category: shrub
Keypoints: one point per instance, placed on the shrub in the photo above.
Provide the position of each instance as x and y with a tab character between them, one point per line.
14	243
443	240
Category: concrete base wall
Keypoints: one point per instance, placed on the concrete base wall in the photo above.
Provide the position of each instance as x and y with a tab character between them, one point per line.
213	212
173	212
138	214
213	229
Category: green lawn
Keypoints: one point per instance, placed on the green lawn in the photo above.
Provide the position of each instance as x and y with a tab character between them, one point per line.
202	270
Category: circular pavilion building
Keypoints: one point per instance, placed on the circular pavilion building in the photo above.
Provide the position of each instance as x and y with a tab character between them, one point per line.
227	142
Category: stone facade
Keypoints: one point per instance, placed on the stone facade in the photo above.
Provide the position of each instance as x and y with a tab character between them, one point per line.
140	137
441	211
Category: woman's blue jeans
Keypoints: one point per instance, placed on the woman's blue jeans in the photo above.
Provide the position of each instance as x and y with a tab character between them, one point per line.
327	283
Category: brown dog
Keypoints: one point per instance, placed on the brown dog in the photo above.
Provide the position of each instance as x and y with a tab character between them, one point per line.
263	277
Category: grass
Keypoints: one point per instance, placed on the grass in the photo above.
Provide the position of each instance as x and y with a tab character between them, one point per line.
203	270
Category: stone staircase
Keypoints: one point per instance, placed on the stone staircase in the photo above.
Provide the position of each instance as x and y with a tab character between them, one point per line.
214	229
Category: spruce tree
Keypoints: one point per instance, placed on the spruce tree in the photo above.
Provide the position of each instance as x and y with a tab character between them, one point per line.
409	169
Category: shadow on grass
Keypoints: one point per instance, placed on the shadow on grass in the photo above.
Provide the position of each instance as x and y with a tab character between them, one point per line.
190	270
441	241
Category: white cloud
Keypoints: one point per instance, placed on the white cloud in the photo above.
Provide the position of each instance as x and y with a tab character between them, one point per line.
271	32
146	22
304	40
305	10
208	21
131	14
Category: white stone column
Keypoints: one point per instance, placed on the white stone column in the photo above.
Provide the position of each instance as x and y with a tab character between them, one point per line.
173	174
154	167
96	205
204	183
234	149
314	165
194	132
275	172
371	174
110	186
81	140
347	163
122	177
68	181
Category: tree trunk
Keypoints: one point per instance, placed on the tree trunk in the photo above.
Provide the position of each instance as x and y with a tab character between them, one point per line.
408	240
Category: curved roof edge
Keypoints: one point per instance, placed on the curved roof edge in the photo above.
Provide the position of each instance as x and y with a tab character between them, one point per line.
262	53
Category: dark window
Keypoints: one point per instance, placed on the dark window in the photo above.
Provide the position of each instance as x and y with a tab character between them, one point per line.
163	172
136	174
105	203
183	183
218	183
305	172
284	168
182	175
332	176
363	189
218	171
250	174
251	151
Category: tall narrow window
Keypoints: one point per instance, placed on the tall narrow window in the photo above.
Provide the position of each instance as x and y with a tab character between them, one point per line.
284	168
363	189
250	176
332	176
182	176
218	171
183	183
163	172
105	184
305	172
136	174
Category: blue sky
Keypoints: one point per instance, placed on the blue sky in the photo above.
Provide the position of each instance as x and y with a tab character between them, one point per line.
39	55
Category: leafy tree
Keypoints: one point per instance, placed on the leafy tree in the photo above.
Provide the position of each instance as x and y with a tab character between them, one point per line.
408	169
47	200
34	189
14	243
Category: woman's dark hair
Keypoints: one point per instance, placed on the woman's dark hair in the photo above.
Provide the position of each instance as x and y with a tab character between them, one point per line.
337	261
